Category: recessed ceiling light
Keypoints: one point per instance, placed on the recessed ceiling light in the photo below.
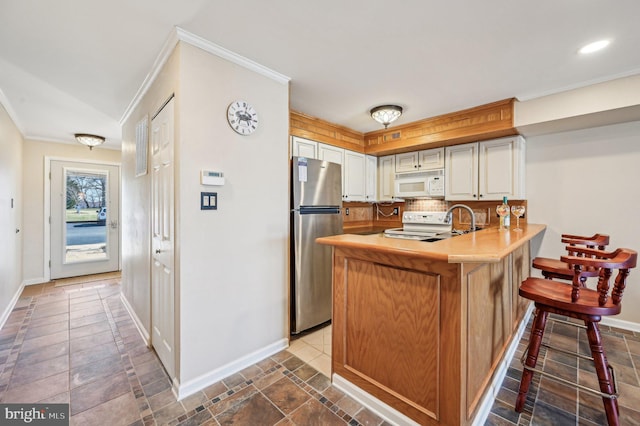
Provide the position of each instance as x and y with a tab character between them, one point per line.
594	47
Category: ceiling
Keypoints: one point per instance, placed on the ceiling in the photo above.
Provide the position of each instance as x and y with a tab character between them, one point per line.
74	66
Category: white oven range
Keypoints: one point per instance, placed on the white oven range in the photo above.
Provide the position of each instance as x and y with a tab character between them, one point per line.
422	226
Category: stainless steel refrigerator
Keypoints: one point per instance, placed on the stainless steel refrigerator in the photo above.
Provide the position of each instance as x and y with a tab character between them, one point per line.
316	200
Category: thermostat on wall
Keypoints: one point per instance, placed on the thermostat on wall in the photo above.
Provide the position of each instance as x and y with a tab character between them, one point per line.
208	177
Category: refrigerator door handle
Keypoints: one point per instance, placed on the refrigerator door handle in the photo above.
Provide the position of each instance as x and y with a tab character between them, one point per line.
319	210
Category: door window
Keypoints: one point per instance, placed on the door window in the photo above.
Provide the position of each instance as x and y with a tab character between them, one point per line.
85	216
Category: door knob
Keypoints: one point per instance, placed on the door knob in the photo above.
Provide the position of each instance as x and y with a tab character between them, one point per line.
157	251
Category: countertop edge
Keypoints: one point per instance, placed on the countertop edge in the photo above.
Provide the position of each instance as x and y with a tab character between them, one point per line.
485	246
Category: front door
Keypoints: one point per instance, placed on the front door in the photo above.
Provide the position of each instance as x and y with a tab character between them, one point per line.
85	237
162	223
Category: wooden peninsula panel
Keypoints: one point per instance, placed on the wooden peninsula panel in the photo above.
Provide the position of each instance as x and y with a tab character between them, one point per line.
391	318
424	326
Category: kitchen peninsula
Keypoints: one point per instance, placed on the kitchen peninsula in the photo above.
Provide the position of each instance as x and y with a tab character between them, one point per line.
423	326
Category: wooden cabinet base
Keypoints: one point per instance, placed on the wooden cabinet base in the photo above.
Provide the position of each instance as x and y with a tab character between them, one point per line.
424	337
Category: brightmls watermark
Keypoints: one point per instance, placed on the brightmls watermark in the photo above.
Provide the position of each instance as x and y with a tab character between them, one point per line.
34	414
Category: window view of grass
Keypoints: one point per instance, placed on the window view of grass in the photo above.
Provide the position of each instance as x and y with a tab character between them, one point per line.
82	215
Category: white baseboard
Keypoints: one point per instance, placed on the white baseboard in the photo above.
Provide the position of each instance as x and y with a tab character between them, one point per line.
141	329
390	414
192	386
616	323
34	281
10	306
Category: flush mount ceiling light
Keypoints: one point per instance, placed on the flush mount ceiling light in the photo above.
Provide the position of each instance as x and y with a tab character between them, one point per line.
89	140
594	47
386	114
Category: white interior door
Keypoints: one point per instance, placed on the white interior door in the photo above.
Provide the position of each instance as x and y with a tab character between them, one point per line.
85	211
162	244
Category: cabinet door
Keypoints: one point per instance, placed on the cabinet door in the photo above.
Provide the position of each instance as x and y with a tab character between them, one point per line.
371	178
431	159
303	147
354	176
407	162
501	168
461	172
386	177
331	153
334	155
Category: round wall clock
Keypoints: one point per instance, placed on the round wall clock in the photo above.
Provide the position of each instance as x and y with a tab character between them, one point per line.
242	117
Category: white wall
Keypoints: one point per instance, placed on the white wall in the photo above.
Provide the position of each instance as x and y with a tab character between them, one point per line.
234	260
608	102
11	151
231	263
136	198
586	181
33	174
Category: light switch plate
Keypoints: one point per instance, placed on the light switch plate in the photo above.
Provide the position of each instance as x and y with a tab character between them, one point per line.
208	201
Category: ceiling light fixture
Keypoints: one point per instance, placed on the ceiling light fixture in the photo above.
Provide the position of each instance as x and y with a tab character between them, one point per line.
89	140
386	114
594	47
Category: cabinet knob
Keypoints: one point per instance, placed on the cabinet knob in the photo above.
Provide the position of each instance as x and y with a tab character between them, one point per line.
157	251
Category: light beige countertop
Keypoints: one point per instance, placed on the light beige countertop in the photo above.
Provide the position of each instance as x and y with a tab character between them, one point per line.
488	245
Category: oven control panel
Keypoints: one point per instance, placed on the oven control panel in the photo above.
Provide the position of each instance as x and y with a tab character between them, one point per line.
435	218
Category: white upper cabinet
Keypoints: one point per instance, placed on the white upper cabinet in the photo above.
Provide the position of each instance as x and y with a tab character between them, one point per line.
386	177
371	178
354	176
501	168
428	159
461	172
301	147
488	170
331	153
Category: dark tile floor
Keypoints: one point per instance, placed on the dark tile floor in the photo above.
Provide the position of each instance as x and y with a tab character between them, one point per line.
78	345
552	403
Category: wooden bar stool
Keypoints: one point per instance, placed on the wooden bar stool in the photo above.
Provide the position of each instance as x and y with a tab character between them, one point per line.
578	302
557	269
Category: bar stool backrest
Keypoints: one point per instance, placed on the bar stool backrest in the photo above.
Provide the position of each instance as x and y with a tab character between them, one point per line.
599	241
586	259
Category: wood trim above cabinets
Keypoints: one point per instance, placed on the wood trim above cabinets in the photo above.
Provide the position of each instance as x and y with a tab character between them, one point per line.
483	122
490	121
319	130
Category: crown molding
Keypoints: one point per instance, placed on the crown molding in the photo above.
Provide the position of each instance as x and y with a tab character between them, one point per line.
178	34
4	101
227	54
581	85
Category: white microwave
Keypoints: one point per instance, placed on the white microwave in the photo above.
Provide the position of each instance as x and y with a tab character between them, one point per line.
420	184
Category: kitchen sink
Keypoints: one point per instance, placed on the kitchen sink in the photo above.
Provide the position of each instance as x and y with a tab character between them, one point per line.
433	239
444	236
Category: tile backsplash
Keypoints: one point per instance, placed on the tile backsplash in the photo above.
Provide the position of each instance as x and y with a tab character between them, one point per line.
426	205
380	214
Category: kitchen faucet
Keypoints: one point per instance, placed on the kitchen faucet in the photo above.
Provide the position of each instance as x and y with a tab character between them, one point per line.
448	216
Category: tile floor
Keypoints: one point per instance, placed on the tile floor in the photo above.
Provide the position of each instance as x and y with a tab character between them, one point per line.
77	344
552	403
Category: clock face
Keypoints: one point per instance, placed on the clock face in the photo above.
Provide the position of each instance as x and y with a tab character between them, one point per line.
242	117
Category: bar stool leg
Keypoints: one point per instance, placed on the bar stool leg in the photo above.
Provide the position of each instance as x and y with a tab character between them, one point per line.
602	370
537	332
